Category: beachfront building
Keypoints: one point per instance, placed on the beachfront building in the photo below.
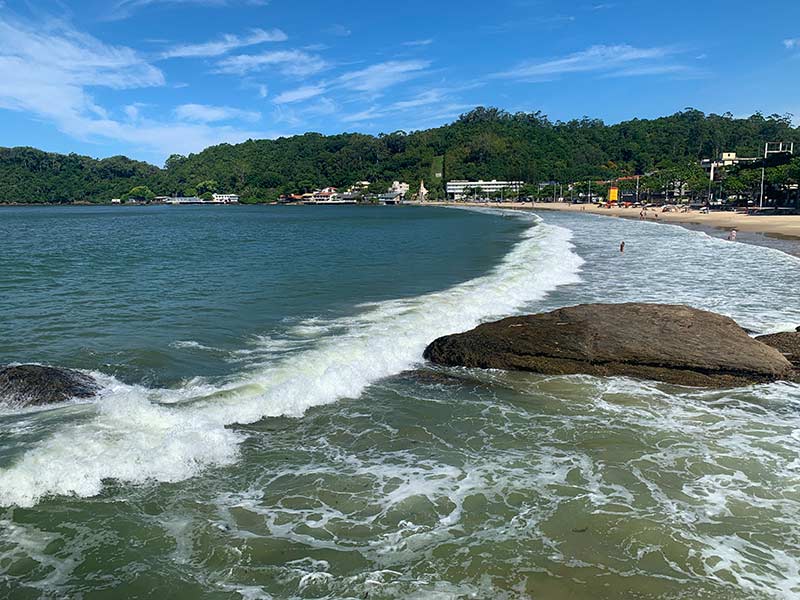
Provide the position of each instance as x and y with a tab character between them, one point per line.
725	160
178	200
399	188
225	198
463	189
328	194
391	197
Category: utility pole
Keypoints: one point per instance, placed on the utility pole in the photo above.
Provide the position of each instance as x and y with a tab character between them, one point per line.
637	189
711	183
778	148
763	175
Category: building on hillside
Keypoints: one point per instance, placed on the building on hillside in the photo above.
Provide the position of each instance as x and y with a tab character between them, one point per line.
400	188
225	198
725	160
460	189
116	201
359	186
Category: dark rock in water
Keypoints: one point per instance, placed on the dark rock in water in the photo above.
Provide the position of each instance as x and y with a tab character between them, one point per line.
675	344
33	385
787	343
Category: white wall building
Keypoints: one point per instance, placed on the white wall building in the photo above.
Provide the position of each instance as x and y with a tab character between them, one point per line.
460	189
400	188
225	198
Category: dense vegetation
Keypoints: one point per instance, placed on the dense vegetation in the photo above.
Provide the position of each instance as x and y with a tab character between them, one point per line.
484	143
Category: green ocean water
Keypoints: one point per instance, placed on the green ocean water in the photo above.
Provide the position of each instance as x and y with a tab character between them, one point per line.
268	429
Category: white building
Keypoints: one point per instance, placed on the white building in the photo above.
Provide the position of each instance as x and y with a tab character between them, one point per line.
460	189
225	198
116	201
725	160
400	188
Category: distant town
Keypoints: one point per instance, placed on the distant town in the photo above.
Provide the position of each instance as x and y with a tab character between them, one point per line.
700	184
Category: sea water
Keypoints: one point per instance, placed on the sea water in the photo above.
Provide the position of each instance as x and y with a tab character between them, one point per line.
267	427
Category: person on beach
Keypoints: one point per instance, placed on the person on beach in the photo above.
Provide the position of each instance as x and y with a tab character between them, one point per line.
622	247
641	215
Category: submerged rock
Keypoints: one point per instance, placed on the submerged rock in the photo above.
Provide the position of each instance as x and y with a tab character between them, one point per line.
674	344
32	385
787	343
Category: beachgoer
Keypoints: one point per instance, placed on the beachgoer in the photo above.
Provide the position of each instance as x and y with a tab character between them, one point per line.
622	247
732	236
641	215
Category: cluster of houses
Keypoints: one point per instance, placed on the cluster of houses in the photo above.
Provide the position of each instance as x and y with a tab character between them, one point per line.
215	199
355	194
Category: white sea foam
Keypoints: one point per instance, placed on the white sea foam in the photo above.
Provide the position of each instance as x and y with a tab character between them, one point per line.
137	436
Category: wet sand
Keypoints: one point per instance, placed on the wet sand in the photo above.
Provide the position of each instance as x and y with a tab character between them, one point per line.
781	232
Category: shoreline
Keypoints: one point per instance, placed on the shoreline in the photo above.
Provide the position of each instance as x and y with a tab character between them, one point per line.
778	232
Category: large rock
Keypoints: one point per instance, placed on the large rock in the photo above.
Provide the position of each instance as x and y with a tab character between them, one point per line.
675	344
31	385
787	344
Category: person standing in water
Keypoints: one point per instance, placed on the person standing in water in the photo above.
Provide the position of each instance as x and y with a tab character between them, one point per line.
732	236
622	247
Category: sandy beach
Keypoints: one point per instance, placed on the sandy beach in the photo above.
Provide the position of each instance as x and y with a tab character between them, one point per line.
783	226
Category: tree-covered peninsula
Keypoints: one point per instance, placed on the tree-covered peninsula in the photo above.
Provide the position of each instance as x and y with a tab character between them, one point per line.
484	143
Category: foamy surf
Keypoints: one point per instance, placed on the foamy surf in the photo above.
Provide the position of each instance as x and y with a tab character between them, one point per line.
142	435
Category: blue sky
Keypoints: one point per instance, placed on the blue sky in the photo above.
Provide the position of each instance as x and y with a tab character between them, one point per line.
147	78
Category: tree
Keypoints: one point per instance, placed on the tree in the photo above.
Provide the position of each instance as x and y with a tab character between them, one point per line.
141	193
207	187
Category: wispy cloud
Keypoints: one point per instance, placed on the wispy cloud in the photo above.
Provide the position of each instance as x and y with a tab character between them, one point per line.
539	22
339	30
300	94
792	43
619	60
125	8
204	113
47	71
372	81
378	77
427	42
225	44
425	105
295	63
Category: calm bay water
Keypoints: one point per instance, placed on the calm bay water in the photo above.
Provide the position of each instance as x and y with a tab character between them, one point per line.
267	428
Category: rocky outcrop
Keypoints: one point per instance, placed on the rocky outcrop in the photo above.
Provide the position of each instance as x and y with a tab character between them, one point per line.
674	344
32	385
787	344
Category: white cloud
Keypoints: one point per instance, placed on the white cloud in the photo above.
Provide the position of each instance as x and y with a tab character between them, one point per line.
224	45
204	113
605	59
47	70
428	104
295	63
791	44
300	94
427	42
378	77
339	31
125	8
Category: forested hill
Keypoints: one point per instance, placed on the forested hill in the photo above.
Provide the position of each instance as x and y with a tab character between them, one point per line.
484	143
